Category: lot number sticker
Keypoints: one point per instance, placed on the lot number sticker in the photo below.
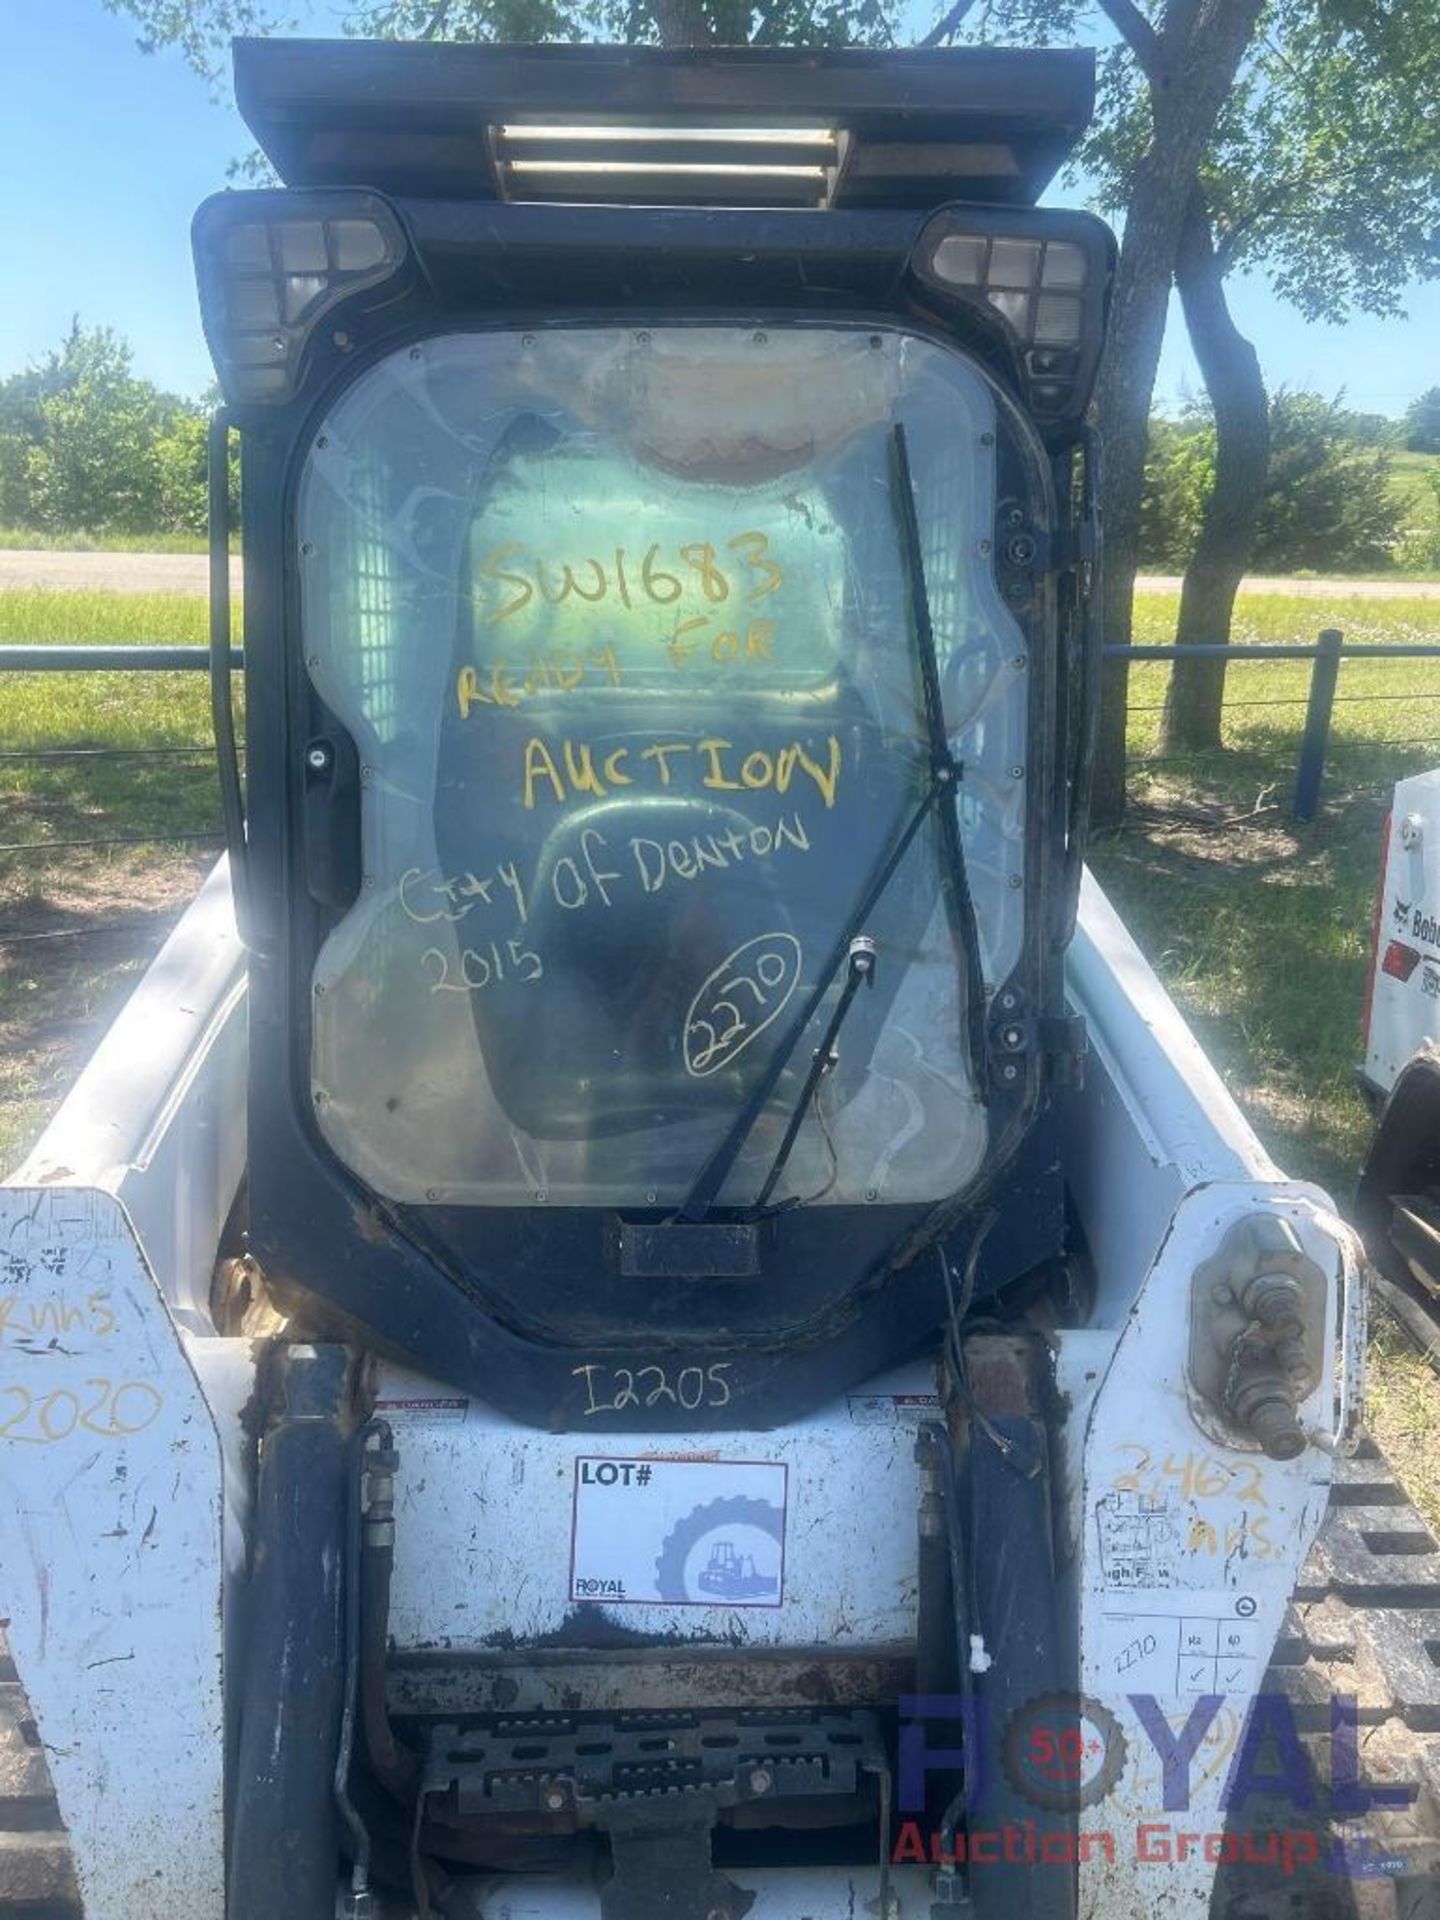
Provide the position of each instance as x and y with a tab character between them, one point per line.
687	1533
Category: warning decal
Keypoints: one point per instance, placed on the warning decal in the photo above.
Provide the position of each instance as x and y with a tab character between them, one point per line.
688	1533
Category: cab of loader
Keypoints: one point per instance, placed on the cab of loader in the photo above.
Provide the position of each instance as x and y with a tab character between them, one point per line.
669	545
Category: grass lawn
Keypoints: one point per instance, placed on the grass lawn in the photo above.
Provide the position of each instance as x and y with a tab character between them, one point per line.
1259	927
29	538
78	923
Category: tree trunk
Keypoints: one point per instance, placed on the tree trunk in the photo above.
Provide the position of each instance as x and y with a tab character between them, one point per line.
1191	66
1236	387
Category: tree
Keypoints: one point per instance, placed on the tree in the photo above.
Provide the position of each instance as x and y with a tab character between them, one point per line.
181	461
88	446
1328	139
92	464
1327	500
1422	422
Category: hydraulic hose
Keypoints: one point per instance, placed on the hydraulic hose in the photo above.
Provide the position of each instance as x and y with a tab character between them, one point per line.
284	1848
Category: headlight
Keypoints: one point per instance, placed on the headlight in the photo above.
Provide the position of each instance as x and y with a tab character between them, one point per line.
272	265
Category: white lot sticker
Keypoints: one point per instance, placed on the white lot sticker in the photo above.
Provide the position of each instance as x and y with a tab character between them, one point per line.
1183	1642
685	1533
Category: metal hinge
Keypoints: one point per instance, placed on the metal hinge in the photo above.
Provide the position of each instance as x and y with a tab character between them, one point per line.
1065	1040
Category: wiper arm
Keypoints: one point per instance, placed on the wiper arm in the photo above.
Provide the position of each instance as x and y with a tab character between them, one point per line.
715	1171
861	972
945	772
945	769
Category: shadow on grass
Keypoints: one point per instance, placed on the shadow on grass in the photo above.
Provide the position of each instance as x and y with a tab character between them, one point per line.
1261	928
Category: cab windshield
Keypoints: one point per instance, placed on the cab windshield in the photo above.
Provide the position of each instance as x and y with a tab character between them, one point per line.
621	625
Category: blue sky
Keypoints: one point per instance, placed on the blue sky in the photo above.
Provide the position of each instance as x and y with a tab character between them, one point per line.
106	152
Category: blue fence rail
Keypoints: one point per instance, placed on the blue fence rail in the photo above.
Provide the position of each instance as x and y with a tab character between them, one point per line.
1327	654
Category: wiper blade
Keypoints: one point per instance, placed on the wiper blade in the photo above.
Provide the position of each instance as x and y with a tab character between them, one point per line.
945	774
945	769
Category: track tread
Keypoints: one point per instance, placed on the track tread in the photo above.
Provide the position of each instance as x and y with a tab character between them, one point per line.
37	1873
1365	1623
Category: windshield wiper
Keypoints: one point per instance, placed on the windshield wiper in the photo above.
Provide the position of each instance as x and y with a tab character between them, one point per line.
945	769
945	773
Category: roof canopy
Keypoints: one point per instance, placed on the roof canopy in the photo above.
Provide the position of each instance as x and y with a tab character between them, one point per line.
645	125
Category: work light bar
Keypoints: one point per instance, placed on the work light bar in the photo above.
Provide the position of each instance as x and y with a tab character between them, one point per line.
679	162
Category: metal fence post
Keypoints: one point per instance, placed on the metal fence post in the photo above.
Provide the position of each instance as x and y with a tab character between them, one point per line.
1311	766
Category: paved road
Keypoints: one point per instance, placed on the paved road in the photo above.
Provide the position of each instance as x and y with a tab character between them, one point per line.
185	573
1310	589
108	572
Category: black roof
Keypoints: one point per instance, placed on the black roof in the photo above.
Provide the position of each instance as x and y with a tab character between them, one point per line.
911	128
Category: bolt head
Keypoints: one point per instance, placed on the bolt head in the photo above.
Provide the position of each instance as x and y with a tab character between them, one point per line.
1412	830
761	1780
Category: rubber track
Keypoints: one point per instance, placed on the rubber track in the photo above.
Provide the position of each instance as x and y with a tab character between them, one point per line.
1364	1623
37	1876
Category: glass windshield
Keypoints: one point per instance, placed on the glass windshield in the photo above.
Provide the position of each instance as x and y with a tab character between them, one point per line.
620	625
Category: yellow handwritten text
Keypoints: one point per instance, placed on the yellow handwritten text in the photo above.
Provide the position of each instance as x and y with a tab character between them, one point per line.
1195	1476
629	578
113	1409
561	670
25	1321
576	769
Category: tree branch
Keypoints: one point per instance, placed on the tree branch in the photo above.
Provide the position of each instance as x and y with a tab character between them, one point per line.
1137	33
942	31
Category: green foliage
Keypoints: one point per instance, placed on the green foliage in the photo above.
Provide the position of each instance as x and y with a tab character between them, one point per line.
14	490
1329	504
1422	422
87	445
1179	471
1329	140
203	29
1419	548
180	475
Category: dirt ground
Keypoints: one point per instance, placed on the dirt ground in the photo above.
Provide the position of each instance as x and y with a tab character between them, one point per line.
68	962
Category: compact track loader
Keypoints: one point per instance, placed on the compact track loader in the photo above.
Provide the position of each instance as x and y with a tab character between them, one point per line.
650	1314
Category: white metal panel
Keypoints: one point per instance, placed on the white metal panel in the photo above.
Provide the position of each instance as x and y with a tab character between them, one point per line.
110	1554
1153	1118
485	1510
1405	1011
158	1115
1189	1554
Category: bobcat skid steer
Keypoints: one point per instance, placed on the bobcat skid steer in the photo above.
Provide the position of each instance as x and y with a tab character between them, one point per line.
636	1322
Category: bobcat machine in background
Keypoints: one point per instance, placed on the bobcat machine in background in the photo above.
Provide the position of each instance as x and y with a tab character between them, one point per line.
1398	1205
637	1321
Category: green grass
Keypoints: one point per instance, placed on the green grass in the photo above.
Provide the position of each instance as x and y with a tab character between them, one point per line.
78	923
1261	927
32	539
